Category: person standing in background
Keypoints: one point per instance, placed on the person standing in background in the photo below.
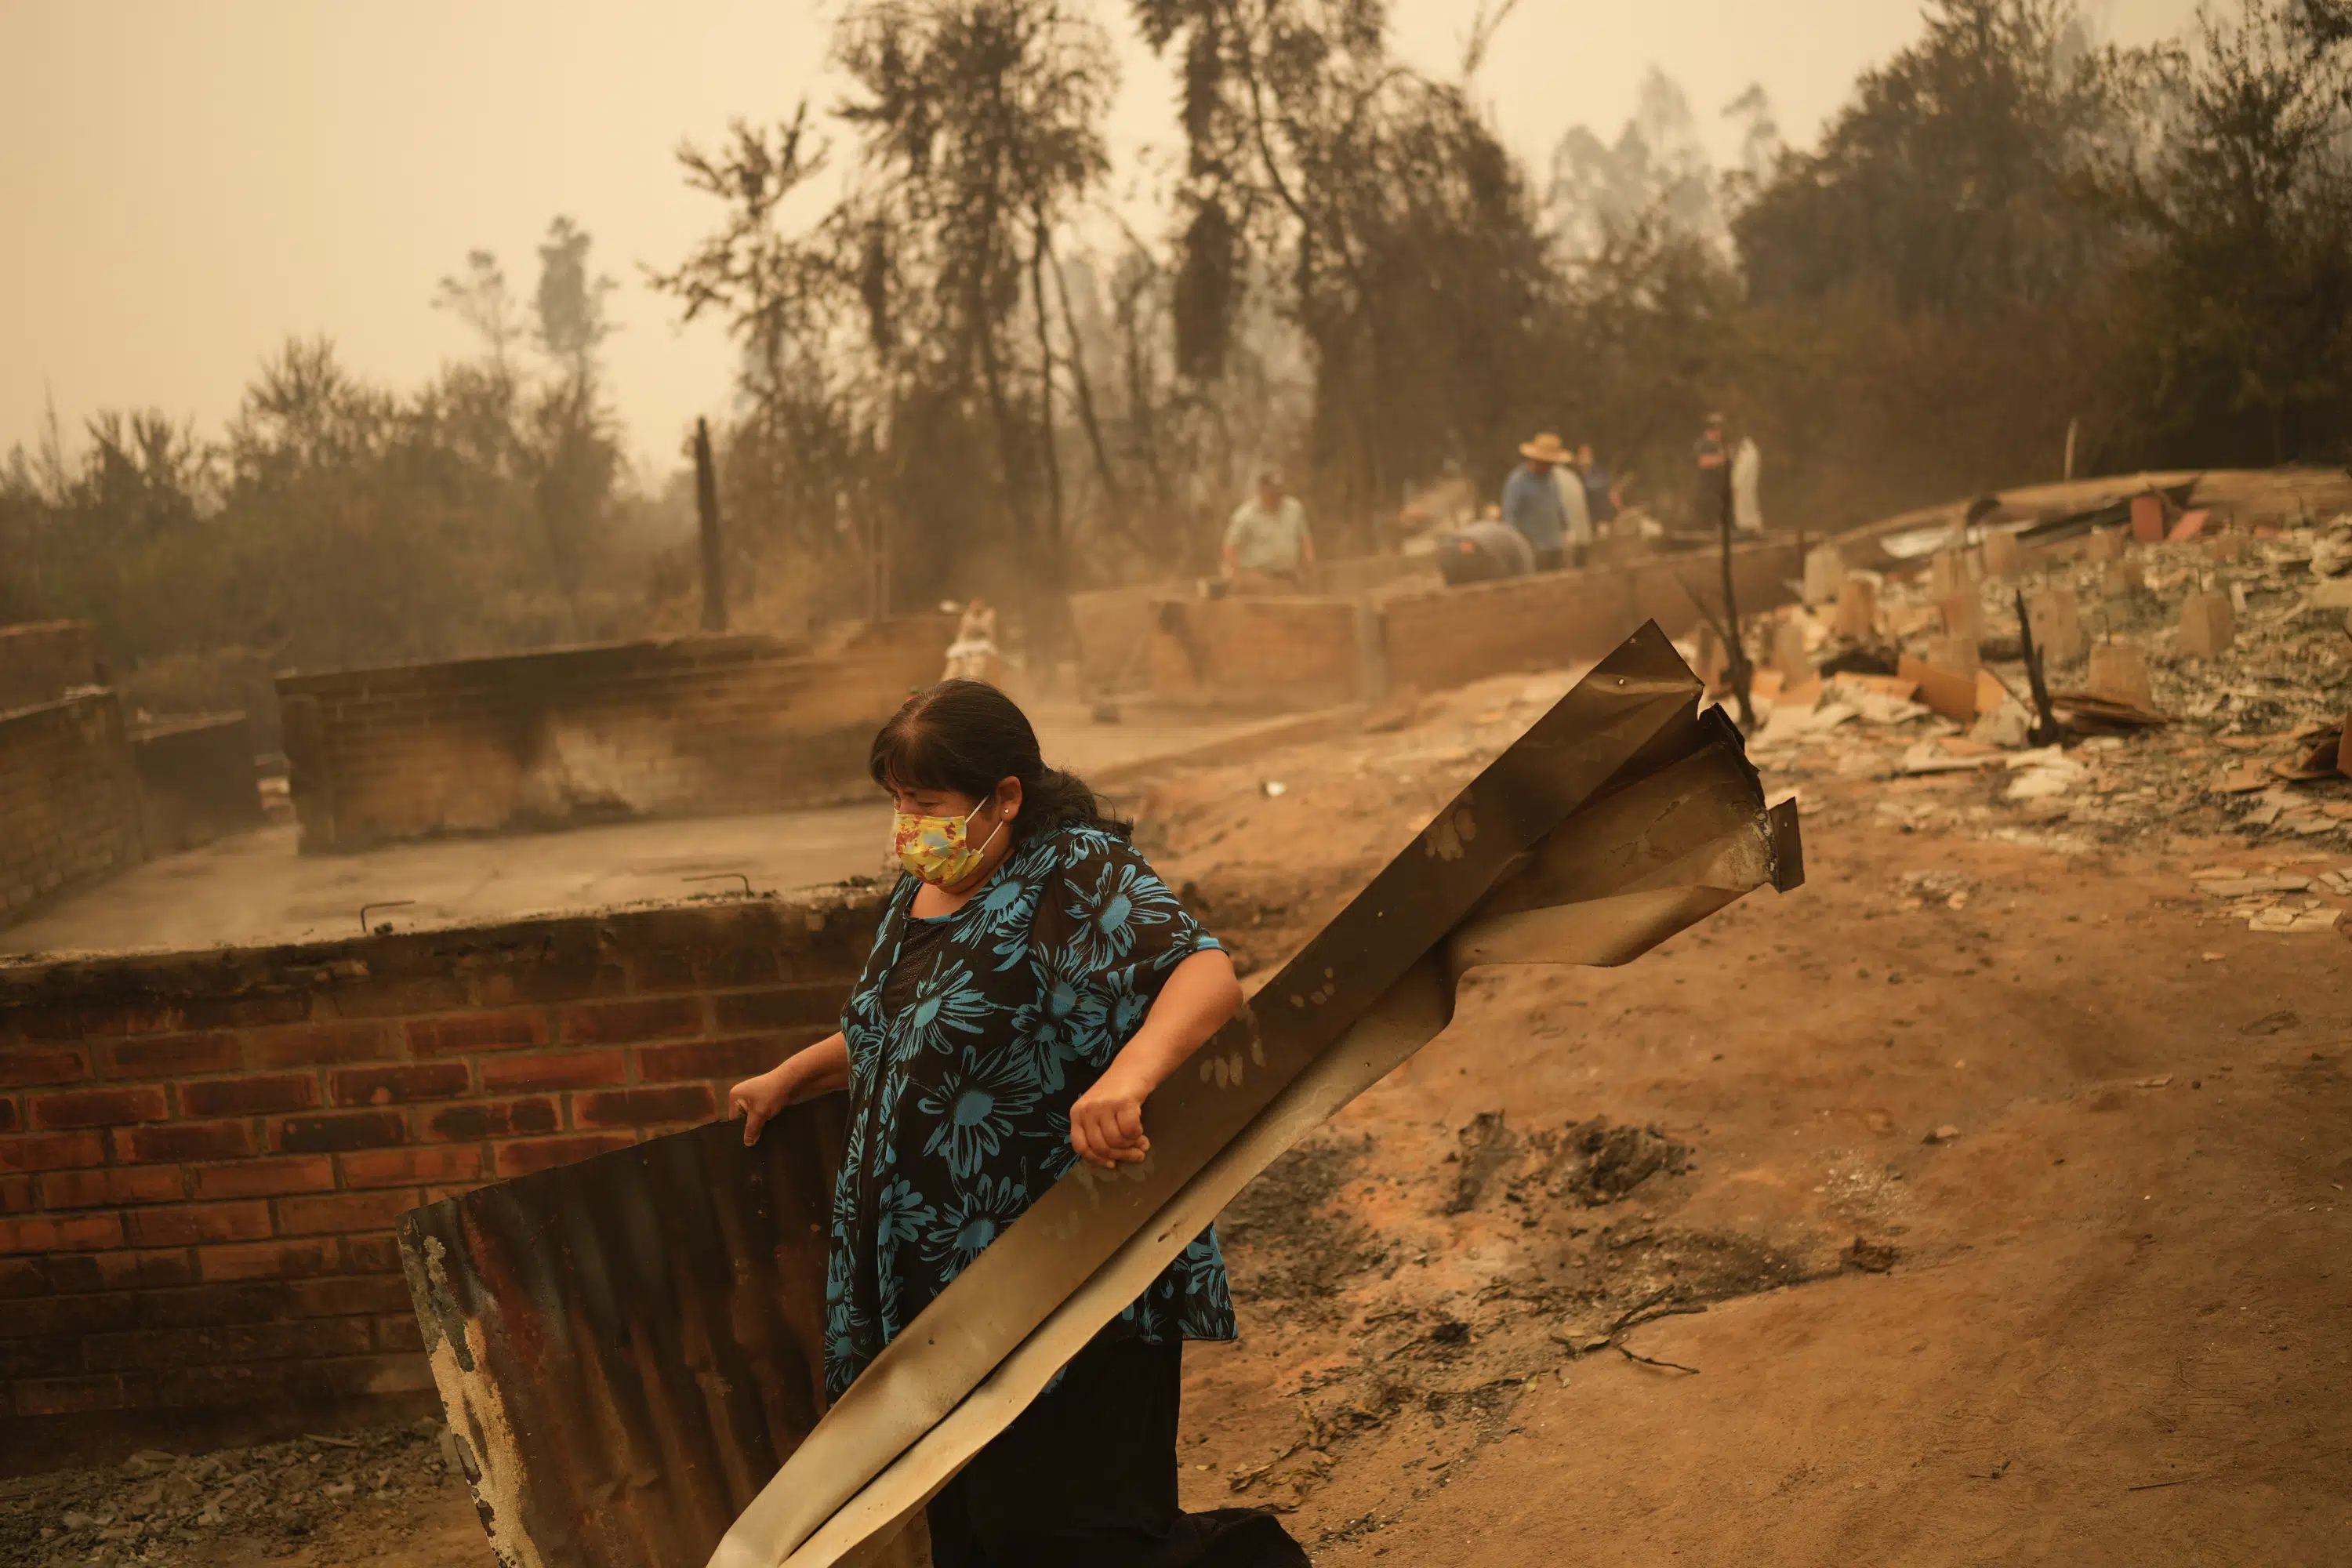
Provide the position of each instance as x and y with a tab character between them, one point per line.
1711	501
1746	479
1600	504
1266	542
1574	508
1531	501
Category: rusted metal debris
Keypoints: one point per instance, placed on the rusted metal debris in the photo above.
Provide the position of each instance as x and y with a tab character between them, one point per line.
629	1346
604	1407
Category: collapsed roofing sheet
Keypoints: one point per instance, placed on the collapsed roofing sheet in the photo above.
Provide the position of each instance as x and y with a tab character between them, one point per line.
1620	817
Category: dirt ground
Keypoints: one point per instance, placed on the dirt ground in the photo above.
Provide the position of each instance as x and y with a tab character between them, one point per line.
1981	1201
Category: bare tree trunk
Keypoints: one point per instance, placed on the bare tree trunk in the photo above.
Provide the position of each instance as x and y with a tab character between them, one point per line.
706	506
1083	387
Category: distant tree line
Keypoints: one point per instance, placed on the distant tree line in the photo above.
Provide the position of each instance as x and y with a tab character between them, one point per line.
963	369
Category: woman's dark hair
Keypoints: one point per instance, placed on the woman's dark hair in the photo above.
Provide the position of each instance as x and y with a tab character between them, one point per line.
966	736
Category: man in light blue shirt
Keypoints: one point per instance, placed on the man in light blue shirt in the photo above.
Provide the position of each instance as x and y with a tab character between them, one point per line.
1267	544
1531	501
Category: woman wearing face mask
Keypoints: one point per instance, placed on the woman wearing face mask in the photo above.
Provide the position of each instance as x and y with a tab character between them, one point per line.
1032	983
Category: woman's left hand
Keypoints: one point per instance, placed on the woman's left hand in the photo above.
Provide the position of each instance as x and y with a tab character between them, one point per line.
1106	1123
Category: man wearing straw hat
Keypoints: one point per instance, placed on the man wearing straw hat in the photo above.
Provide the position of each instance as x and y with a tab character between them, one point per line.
1531	501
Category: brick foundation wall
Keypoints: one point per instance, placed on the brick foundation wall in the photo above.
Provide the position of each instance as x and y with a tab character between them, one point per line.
681	726
196	780
1258	652
40	661
1448	636
70	810
201	1155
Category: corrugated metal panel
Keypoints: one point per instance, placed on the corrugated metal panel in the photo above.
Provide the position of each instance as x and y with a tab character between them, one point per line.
628	1347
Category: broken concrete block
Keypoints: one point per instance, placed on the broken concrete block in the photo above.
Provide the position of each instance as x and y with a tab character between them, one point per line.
2057	625
1956	652
1948	576
1945	691
2207	624
2331	593
2105	544
2002	558
2147	517
1857	607
2118	674
1824	574
1789	652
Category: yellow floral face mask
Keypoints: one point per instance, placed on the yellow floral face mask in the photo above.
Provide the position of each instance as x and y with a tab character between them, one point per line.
938	848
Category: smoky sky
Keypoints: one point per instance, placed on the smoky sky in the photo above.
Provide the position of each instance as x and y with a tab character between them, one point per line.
186	184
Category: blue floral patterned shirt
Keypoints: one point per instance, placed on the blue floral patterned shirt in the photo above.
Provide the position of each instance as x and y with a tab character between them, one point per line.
962	1073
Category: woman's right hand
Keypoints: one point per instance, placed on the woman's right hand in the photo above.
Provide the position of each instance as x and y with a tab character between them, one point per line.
758	1100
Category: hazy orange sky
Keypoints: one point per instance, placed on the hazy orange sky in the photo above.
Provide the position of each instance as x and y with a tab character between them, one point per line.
186	181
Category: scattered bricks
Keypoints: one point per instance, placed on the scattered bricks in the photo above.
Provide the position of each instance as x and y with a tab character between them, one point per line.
398	1085
1824	574
407	1167
2207	624
321	1045
610	1023
333	1134
350	1295
644	1106
60	1233
2118	674
99	1107
2106	544
186	1141
493	1118
477	1032
119	1185
2057	626
171	1055
575	1070
266	1178
1857	607
377	1254
22	1068
2147	517
192	1224
2003	559
781	1009
340	1212
249	1095
52	1151
523	1159
266	1260
70	1395
716	1058
399	1332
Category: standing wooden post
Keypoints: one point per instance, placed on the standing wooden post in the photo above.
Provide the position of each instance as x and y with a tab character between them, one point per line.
705	504
1742	675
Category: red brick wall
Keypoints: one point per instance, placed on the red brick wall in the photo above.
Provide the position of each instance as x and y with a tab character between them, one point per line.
681	726
201	1155
1270	652
40	660
69	800
1448	636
